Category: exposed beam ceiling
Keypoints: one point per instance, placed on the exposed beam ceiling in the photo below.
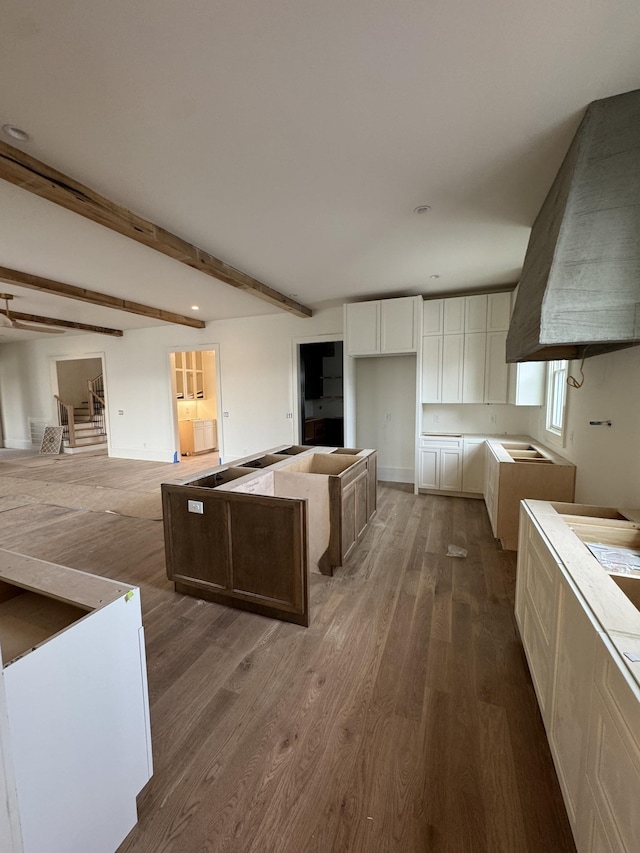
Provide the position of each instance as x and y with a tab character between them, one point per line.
35	282
67	324
25	171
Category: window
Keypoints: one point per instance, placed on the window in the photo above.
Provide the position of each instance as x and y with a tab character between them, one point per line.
556	396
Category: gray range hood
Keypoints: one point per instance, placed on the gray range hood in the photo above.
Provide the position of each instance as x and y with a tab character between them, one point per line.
579	294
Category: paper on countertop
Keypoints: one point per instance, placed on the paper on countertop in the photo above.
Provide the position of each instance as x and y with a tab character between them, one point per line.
623	561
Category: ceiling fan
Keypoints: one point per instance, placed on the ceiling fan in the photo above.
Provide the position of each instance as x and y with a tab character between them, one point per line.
8	322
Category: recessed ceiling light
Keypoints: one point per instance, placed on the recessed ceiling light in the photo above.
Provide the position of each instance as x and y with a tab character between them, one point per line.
434	276
195	307
422	208
15	132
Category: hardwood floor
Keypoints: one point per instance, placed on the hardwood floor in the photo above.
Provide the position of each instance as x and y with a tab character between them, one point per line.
402	720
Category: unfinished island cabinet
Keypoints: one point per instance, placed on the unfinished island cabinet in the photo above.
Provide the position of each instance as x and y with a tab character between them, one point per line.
519	469
580	628
74	736
247	535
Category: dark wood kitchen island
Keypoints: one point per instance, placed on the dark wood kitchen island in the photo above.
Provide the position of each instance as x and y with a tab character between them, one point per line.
247	534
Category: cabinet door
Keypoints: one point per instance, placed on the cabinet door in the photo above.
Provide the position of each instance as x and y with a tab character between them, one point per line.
186	436
433	317
473	465
450	469
208	435
432	369
452	353
475	313
363	328
429	477
539	608
613	759
199	437
473	368
454	315
492	476
496	369
498	312
398	326
570	706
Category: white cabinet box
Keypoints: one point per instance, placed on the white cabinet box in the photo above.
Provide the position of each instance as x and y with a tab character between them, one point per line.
440	464
383	326
75	740
463	349
581	636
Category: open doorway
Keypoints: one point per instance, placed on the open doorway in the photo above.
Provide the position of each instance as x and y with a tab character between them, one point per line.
321	393
196	401
79	394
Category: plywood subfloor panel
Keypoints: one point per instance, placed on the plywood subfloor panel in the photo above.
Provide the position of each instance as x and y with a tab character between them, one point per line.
403	720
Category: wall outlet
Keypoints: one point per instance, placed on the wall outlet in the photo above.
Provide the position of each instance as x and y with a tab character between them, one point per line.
196	506
493	419
225	414
436	419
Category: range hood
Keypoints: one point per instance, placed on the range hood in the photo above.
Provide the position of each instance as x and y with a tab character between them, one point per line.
579	294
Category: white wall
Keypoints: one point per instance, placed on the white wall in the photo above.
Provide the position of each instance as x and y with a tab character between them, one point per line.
481	419
386	412
607	458
73	375
257	379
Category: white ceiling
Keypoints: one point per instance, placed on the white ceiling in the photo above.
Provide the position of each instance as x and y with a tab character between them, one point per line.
293	138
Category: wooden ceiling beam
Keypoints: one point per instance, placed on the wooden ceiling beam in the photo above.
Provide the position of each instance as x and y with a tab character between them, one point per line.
67	324
48	285
30	174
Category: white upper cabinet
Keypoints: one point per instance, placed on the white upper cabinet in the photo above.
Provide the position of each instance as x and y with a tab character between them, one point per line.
498	312
454	315
432	369
382	327
496	368
363	328
398	325
452	361
527	383
473	370
433	317
475	314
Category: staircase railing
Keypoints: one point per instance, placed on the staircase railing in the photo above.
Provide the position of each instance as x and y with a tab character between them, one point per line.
67	421
95	399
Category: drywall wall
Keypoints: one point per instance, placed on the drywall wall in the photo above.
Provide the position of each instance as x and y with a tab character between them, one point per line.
257	382
607	458
73	374
385	392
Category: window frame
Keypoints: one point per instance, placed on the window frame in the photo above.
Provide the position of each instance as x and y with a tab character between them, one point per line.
556	408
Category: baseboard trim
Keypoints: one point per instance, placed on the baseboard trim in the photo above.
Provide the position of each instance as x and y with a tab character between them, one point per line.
396	475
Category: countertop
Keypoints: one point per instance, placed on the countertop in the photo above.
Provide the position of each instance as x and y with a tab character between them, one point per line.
616	614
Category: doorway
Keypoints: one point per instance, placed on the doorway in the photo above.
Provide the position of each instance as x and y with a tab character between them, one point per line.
321	402
80	402
195	389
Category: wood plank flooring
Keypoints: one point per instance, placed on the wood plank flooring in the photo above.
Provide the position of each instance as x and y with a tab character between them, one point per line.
403	720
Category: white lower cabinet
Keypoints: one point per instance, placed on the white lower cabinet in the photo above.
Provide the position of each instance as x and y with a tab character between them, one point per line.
75	742
473	460
613	760
440	463
588	698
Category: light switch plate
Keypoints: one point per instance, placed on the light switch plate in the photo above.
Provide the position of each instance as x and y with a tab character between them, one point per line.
196	506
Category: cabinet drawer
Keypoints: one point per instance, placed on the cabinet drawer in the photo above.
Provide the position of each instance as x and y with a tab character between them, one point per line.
443	442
